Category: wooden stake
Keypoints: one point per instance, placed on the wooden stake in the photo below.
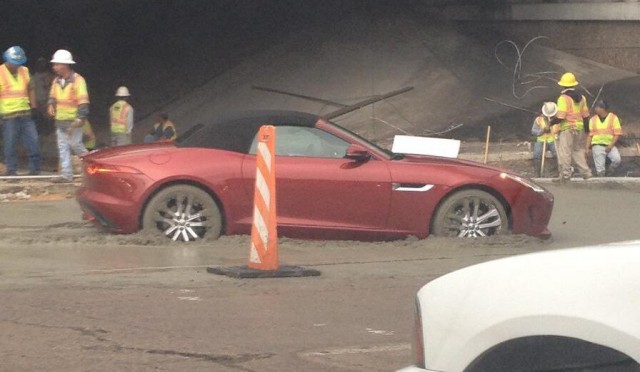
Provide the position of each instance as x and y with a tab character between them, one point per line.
544	155
486	145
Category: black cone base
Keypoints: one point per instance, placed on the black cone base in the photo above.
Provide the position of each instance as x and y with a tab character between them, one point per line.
244	272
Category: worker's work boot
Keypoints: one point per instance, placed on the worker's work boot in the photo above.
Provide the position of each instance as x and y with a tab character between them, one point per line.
565	175
600	174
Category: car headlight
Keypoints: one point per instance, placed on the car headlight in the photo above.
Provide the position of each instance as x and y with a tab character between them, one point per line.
523	181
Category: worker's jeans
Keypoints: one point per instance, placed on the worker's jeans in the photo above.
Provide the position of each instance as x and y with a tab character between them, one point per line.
25	128
68	143
600	158
537	149
571	146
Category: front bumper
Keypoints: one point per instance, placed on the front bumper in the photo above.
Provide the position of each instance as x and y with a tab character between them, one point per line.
531	213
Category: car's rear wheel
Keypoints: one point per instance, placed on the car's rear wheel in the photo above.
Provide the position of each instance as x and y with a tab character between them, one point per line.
183	213
470	214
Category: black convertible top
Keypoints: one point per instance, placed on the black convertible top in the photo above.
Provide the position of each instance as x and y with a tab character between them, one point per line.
236	131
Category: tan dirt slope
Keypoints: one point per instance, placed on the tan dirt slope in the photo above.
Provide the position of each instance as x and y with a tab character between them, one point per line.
453	67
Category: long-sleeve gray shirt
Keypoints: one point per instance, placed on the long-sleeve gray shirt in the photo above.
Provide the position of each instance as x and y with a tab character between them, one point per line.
536	130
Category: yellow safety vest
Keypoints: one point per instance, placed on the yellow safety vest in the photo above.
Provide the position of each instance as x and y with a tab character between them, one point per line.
70	97
572	113
118	113
169	124
602	133
90	142
14	90
548	137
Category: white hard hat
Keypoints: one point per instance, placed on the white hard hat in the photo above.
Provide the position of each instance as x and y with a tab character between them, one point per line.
122	92
549	109
62	56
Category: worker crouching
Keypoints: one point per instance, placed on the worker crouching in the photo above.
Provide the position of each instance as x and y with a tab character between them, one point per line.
163	130
604	131
545	136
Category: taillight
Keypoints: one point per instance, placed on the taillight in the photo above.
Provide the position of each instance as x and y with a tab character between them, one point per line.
418	340
96	168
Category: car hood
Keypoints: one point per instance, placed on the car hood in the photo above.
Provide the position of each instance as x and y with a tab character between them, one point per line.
426	159
586	293
563	262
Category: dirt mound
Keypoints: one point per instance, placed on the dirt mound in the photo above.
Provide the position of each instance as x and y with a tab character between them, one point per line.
454	67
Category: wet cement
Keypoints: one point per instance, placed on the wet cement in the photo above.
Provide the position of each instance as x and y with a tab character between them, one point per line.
76	298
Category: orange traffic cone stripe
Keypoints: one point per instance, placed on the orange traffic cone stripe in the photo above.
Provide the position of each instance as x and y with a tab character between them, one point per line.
264	238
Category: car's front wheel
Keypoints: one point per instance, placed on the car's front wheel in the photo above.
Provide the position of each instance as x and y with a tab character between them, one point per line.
183	213
470	214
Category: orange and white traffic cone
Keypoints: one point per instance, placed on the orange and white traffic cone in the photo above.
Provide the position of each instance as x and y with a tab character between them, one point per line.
263	256
264	235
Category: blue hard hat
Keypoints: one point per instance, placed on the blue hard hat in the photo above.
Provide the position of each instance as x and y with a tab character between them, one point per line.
15	55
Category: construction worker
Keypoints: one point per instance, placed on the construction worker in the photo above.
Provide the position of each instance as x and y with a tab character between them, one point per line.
545	132
573	117
88	136
69	105
17	108
163	130
604	131
121	114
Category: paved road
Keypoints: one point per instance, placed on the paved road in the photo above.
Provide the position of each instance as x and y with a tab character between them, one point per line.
74	298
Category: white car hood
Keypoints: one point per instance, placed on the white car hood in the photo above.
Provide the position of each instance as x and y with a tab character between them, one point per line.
589	293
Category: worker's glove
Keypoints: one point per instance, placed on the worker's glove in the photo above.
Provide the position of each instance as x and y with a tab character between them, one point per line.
77	123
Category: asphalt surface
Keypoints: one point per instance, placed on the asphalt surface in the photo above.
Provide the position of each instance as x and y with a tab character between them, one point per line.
75	298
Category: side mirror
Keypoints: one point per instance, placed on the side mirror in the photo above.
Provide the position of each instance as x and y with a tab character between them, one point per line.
358	153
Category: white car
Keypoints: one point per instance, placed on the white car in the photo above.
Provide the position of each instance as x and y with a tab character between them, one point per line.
566	310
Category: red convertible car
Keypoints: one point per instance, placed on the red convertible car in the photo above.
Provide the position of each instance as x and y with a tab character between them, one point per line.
331	184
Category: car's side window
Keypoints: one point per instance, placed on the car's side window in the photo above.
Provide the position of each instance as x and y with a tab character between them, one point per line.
306	142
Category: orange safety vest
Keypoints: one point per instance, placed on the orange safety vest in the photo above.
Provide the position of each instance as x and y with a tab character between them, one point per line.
119	112
14	90
603	133
70	97
572	119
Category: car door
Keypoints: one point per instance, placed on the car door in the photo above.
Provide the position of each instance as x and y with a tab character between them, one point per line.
318	188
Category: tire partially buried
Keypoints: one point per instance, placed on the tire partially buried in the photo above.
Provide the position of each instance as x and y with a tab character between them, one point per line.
470	214
183	213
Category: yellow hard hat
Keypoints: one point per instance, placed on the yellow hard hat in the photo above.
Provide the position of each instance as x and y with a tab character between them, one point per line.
568	80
